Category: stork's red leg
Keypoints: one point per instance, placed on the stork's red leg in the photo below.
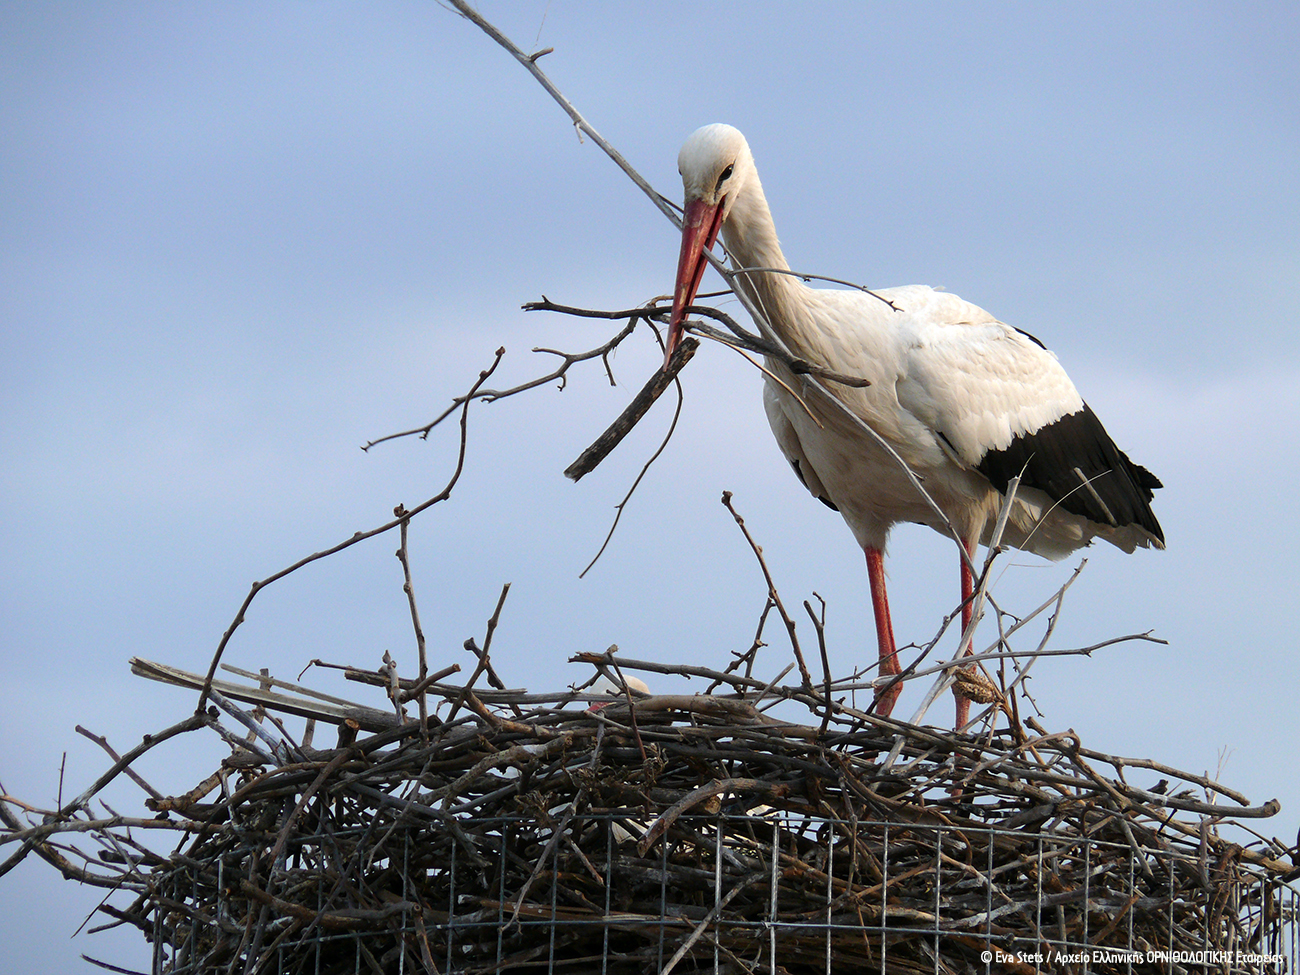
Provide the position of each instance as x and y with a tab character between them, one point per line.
967	590
884	630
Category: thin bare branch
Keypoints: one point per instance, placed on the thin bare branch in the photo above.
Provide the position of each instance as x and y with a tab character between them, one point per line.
568	359
402	517
530	64
772	592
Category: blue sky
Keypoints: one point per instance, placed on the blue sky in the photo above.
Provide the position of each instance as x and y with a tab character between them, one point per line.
241	240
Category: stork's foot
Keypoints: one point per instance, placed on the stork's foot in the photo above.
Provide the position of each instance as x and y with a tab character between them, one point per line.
970	685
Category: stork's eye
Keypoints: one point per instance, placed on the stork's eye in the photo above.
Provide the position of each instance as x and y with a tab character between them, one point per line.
726	174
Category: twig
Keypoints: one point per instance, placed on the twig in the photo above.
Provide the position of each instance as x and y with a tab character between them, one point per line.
819	624
743	338
805	277
492	395
771	591
493	677
668	435
484	661
530	63
80	802
408	587
134	776
358	537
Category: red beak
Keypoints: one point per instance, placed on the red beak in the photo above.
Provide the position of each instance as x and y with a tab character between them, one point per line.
700	226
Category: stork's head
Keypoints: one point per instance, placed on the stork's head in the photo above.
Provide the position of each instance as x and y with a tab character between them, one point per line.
715	162
606	686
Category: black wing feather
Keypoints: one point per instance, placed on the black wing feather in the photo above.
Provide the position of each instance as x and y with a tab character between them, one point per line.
1060	457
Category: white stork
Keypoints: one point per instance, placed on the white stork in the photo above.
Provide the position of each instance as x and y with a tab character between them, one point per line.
966	401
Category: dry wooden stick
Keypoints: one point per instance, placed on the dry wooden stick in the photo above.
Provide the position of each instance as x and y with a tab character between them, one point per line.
737	681
740	337
191	723
591	457
484	661
408	587
636	481
804	673
529	61
131	773
819	624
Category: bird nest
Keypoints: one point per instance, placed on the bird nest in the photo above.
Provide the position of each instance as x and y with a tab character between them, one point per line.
674	833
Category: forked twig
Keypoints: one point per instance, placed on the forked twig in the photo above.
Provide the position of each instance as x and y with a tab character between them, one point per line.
404	517
569	359
772	593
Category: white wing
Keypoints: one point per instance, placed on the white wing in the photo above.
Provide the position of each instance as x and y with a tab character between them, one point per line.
788	440
979	384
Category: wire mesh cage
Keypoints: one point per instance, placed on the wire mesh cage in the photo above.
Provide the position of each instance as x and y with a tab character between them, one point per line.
726	892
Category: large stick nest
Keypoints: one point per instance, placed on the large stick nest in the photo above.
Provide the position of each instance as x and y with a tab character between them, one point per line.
684	833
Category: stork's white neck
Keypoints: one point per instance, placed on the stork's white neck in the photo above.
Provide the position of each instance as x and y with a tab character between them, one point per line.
750	237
